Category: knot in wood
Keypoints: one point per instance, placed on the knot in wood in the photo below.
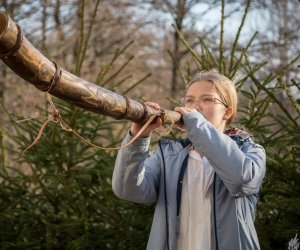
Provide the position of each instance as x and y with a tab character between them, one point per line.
162	116
55	114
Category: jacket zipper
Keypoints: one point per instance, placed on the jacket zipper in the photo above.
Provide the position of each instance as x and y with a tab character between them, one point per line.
214	212
165	193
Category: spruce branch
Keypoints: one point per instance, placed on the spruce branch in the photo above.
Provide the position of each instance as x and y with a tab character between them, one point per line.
233	49
221	46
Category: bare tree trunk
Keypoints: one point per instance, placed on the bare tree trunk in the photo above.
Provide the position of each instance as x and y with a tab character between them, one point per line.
59	31
2	84
32	66
8	7
180	13
44	26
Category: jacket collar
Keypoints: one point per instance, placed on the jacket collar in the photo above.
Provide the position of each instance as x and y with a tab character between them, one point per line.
238	135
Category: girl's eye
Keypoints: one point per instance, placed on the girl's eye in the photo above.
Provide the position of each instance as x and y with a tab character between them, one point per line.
208	99
189	100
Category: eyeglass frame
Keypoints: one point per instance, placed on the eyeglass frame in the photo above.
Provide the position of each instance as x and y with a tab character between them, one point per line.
197	100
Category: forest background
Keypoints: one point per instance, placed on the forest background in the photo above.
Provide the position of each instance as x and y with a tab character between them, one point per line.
58	195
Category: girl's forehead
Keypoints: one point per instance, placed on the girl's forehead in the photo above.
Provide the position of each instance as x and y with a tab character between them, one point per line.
201	83
201	88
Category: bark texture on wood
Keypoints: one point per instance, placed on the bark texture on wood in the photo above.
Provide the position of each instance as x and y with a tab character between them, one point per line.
35	68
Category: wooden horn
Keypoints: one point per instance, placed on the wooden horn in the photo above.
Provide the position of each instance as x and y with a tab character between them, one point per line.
26	61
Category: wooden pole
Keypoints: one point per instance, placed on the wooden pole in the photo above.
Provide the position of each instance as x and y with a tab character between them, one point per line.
26	61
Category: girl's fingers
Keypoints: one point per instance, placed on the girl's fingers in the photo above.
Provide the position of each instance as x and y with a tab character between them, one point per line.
156	124
184	110
152	105
136	127
181	127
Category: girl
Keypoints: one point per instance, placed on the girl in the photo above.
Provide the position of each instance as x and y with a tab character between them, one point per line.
206	187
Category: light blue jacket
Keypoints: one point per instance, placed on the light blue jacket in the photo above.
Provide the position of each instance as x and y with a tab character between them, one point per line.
239	170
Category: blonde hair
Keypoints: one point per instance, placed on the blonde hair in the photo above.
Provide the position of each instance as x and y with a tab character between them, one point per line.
224	87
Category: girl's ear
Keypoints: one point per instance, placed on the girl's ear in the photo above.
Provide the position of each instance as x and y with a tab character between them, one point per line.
228	113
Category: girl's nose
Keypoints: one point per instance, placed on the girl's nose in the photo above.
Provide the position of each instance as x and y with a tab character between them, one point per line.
198	106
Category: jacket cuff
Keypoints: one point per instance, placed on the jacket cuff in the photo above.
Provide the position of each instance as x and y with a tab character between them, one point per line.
139	142
188	118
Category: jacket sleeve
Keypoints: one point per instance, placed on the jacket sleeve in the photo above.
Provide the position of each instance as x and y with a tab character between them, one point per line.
136	176
241	170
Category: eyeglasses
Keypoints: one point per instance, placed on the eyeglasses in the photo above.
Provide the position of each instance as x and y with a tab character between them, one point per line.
206	100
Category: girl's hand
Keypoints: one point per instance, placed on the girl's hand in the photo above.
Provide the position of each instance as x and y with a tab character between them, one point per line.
183	111
136	127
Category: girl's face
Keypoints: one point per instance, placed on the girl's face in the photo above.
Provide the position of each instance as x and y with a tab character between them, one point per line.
203	97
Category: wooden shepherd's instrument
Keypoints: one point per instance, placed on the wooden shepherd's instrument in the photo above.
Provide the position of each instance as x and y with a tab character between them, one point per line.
26	61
